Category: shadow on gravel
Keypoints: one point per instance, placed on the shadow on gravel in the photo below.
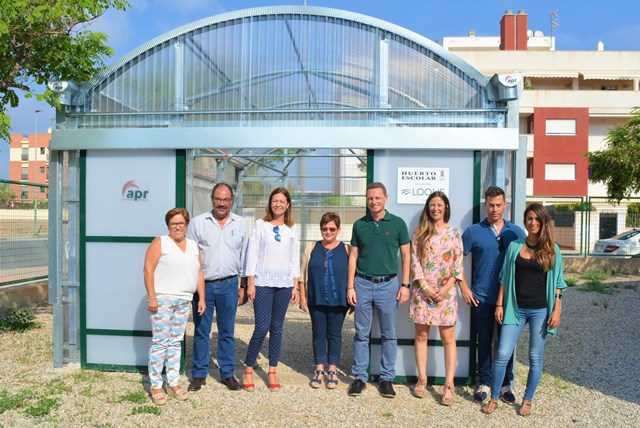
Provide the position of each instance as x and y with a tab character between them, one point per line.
598	342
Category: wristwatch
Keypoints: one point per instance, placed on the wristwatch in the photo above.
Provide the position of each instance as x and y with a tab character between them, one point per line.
405	285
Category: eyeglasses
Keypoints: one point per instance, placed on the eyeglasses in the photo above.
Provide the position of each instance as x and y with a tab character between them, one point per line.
500	243
180	224
276	230
222	201
328	229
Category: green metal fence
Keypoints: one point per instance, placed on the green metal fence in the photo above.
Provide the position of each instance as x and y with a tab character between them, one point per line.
23	231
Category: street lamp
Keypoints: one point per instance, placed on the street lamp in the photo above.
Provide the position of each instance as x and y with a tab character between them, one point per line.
35	142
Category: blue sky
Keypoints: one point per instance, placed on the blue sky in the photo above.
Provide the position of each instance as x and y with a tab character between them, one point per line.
581	25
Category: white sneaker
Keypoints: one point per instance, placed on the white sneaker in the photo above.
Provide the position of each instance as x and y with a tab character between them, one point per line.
482	393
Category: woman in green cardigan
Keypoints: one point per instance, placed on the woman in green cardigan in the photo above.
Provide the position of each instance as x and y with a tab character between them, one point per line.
531	285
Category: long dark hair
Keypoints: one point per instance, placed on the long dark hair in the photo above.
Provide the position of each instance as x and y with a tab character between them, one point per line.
545	252
268	214
425	226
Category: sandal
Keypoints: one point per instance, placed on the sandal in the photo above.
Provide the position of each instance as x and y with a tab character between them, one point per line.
248	386
525	408
159	398
420	388
177	392
317	380
490	407
332	383
273	386
448	401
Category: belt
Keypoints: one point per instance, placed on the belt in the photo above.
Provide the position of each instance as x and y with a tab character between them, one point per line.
221	279
377	279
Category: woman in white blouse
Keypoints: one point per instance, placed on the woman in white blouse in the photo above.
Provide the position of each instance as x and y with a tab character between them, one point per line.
273	270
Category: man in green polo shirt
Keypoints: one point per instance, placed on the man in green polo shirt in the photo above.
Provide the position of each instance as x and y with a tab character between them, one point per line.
372	282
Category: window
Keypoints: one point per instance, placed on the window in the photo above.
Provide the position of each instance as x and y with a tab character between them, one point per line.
25	173
24	193
41	170
25	153
609	88
560	171
529	167
42	149
561	127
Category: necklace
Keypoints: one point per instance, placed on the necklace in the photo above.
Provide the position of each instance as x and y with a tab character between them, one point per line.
531	247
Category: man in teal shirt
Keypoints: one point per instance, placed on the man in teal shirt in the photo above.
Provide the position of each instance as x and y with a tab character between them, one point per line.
372	282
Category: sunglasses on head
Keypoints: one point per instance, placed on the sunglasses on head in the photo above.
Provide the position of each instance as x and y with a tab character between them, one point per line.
277	237
500	243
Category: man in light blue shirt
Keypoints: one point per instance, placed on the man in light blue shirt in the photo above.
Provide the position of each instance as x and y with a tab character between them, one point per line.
222	238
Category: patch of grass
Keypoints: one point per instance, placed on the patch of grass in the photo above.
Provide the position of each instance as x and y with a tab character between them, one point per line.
17	319
43	407
630	286
605	303
595	275
571	281
596	287
594	303
88	376
57	386
138	397
153	410
86	391
387	414
10	401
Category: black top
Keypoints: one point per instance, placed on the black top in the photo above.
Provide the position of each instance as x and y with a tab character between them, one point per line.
530	284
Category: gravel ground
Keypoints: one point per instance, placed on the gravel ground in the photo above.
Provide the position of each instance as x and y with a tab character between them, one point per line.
590	379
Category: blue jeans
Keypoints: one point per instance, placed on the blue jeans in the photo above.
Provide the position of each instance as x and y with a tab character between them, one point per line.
484	319
223	297
326	325
537	320
269	309
382	298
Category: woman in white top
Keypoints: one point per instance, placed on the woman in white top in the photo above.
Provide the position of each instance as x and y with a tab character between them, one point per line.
172	273
272	276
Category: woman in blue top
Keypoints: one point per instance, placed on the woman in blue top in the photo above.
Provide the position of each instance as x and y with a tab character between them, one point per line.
323	292
531	285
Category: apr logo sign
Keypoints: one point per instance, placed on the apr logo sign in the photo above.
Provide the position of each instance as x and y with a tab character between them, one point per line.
132	192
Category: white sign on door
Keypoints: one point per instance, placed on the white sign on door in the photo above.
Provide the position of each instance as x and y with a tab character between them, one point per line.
416	184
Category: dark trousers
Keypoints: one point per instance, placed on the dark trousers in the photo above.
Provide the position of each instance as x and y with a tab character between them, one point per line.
326	325
269	308
483	317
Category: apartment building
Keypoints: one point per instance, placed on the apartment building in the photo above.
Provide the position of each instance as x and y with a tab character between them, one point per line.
29	161
570	99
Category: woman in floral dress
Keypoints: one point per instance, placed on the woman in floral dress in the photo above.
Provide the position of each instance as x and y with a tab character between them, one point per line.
436	264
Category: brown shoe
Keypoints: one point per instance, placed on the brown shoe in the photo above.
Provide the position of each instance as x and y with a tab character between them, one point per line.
232	383
196	384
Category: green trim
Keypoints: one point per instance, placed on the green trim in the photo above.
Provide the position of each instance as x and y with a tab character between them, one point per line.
125	239
115	367
477	183
18	281
24	183
181	178
370	157
83	259
127	333
431	380
411	342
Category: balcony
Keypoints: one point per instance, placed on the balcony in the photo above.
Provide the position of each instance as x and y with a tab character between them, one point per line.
600	103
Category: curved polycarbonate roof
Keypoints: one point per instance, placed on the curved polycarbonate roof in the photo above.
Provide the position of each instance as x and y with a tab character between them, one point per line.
293	63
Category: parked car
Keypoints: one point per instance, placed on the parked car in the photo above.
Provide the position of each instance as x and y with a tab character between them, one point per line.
626	244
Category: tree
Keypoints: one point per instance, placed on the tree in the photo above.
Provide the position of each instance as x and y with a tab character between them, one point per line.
6	195
618	164
48	40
